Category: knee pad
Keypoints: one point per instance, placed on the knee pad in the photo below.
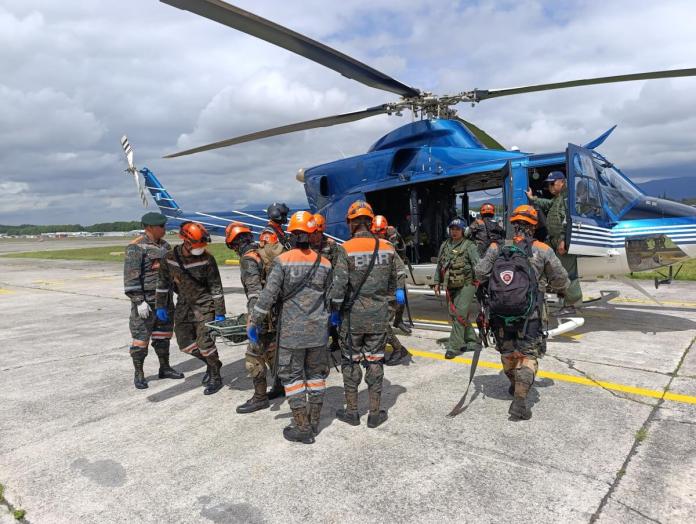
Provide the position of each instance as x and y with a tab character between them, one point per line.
254	367
525	376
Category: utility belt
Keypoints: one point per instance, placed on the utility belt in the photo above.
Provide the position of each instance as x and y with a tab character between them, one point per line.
458	283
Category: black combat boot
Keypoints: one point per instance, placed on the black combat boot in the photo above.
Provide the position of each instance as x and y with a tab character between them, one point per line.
399	321
314	416
215	383
300	430
139	378
377	416
349	414
277	391
519	408
206	376
258	401
397	356
165	370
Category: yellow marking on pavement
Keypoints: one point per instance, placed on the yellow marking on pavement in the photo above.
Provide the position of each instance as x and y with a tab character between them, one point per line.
231	262
577	336
626	300
48	282
429	321
4	291
643	392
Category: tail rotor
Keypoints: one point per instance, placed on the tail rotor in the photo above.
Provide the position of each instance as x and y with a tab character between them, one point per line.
128	150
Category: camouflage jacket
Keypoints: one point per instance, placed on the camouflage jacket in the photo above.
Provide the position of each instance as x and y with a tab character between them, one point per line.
370	311
394	237
252	275
485	230
141	268
556	211
547	266
455	263
304	320
329	249
205	295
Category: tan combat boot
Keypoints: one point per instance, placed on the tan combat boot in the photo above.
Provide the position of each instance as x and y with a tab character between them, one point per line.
349	415
300	431
377	416
314	416
519	409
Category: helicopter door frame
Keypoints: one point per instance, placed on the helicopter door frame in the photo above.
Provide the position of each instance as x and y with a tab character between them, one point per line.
515	183
587	229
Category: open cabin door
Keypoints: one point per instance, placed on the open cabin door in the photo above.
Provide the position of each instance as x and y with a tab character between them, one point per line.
587	228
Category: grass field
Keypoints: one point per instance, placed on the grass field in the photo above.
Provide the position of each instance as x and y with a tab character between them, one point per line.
110	253
688	272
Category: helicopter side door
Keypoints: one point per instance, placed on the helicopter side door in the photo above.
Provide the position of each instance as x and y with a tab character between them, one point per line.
587	228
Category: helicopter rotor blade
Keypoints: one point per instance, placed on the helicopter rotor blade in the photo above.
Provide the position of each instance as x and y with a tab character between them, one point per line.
254	25
291	128
483	94
483	137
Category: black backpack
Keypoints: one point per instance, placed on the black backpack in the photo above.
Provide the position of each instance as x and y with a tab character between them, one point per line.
512	285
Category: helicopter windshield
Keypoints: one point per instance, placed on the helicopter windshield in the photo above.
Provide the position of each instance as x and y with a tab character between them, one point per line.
618	192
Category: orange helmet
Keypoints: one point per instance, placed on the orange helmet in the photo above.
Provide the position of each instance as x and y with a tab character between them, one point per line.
268	237
526	213
360	208
233	230
302	221
379	225
487	209
320	221
194	233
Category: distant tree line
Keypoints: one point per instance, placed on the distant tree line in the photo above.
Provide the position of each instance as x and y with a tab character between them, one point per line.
30	229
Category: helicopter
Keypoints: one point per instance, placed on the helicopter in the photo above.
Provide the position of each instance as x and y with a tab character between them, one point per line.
421	174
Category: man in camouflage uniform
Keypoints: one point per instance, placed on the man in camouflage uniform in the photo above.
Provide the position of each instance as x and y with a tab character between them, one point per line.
260	355
323	244
485	230
143	258
192	273
393	236
556	211
365	281
521	344
380	228
455	272
299	279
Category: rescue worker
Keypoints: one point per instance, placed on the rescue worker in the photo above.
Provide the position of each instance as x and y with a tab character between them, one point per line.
393	236
455	273
140	270
259	356
521	344
556	211
277	217
485	229
380	228
299	279
192	273
365	281
322	243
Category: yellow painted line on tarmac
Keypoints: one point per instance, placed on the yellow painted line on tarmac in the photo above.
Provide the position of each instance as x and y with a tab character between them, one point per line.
4	291
650	302
48	282
561	377
232	262
429	321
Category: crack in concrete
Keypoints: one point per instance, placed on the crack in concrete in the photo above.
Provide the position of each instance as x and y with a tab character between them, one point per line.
634	510
637	441
571	365
630	368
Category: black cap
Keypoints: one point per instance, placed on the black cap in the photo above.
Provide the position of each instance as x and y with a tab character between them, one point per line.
153	219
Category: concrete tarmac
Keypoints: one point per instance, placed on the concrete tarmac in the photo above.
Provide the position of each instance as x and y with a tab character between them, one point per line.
612	438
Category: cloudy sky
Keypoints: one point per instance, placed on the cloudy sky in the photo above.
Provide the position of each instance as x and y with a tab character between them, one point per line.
78	75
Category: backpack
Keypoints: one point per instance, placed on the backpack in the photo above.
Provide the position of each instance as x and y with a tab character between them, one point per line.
512	285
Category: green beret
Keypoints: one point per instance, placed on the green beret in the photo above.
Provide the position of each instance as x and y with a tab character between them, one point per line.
153	219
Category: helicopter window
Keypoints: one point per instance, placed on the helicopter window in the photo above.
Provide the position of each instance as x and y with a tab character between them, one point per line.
617	191
587	203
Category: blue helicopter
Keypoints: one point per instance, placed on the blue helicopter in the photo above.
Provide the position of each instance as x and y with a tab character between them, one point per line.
421	174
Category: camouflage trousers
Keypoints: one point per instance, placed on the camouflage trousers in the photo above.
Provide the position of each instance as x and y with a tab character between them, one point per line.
260	357
303	373
191	331
392	340
573	295
511	339
368	349
461	304
151	328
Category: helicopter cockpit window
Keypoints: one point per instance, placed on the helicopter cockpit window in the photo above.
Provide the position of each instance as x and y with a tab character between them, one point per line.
618	193
587	203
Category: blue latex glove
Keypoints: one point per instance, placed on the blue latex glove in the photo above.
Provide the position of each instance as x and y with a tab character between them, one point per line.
162	314
219	318
253	334
400	297
335	318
